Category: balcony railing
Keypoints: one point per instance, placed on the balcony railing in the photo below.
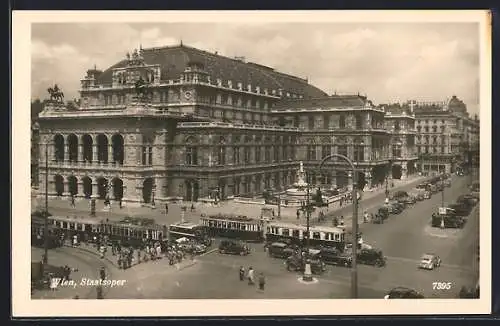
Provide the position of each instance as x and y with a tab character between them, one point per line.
189	125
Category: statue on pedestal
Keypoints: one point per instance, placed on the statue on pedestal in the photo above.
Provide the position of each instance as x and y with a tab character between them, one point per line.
56	94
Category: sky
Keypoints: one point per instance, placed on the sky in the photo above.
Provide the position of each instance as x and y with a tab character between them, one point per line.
389	62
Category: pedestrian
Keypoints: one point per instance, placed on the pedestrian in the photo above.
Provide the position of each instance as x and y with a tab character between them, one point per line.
251	276
242	273
365	217
166	209
298	214
102	273
262	281
335	221
341	202
73	201
120	261
138	256
101	249
342	220
273	212
120	203
192	207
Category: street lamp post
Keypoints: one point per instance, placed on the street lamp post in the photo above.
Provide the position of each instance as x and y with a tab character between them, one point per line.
387	179
307	270
354	267
46	213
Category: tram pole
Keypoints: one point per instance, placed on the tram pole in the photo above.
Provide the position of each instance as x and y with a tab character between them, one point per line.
354	266
46	213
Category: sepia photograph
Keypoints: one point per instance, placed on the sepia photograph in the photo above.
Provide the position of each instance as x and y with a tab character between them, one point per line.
254	158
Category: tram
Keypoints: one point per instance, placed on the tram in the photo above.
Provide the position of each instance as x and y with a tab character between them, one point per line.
38	233
233	227
297	234
190	231
127	233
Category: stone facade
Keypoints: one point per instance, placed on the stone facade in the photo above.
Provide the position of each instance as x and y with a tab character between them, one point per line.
183	124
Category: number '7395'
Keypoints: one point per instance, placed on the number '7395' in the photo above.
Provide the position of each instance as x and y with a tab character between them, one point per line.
441	285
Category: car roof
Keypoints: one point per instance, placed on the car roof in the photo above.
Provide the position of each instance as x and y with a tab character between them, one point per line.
428	256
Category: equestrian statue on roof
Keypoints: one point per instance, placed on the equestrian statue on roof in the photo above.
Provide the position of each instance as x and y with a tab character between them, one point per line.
56	94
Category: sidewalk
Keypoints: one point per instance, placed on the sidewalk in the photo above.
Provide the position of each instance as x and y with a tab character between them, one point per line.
82	207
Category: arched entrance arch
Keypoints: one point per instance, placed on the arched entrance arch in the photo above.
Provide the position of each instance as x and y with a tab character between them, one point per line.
117	188
102	187
118	148
147	190
361	180
397	171
59	148
87	187
72	185
192	190
59	184
87	142
102	148
72	148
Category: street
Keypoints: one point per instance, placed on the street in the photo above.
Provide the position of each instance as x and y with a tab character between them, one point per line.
403	239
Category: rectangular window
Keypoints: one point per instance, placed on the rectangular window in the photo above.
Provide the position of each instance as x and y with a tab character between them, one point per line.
236	155
325	150
342	150
276	154
341	121
267	154
296	234
311	153
311	123
257	154
246	155
286	232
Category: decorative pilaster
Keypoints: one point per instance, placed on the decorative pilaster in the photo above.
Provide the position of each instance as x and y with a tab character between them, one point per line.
95	190
94	154
80	153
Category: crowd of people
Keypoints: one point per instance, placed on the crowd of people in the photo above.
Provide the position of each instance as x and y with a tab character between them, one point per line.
250	276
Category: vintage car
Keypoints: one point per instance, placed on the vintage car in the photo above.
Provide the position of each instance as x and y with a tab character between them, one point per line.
280	250
417	194
450	220
394	207
403	293
297	263
234	248
381	214
447	182
460	209
372	257
333	256
467	199
403	197
429	262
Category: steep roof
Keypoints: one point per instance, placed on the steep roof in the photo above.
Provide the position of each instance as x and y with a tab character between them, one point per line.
173	61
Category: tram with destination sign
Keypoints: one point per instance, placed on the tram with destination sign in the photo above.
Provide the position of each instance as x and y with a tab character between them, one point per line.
297	234
234	227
